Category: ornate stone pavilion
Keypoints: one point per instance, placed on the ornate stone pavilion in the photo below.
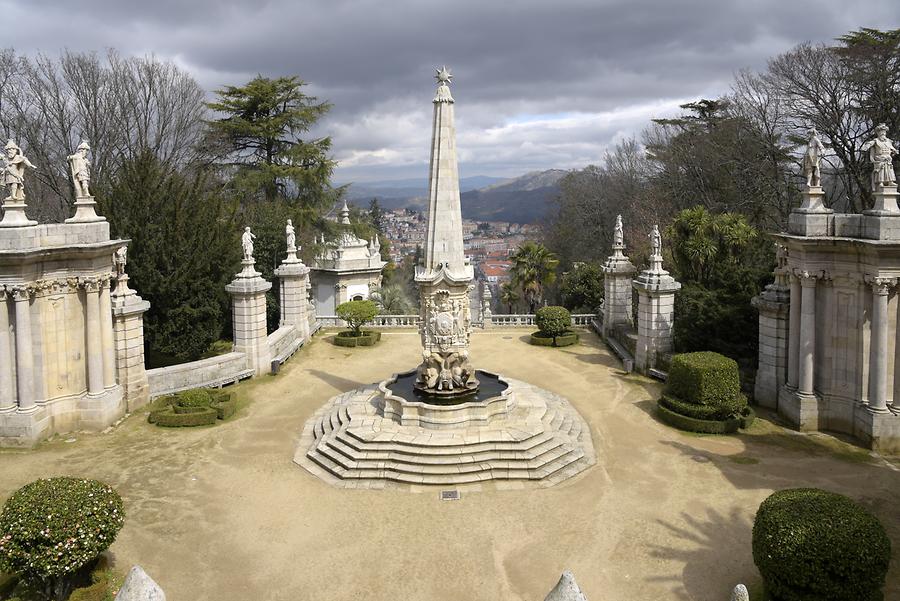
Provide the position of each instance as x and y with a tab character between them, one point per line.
828	325
439	424
346	270
71	331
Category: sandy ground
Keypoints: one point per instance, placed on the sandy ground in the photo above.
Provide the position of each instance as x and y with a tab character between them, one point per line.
222	513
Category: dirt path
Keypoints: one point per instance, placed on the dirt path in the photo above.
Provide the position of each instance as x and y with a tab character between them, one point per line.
222	513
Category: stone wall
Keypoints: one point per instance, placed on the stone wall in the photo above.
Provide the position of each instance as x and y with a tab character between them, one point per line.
213	372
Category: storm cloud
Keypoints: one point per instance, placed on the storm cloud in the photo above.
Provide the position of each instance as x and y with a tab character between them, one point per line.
537	85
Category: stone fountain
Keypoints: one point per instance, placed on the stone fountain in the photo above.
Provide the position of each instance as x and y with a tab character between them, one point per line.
445	423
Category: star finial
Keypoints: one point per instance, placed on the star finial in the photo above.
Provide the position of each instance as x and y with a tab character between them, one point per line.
443	75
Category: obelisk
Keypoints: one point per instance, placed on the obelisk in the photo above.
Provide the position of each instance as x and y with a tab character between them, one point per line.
445	276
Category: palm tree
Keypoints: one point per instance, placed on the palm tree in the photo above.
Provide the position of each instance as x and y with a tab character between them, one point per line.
534	268
508	296
391	300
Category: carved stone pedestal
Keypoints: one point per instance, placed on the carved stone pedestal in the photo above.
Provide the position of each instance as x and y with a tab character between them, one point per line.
85	211
248	292
14	214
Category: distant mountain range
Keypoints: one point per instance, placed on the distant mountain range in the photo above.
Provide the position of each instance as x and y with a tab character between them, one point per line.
524	199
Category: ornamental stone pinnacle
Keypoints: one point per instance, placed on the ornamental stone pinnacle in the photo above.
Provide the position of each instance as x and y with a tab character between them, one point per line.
445	276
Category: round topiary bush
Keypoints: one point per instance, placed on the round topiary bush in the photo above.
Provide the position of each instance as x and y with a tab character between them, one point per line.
553	321
357	313
811	544
52	528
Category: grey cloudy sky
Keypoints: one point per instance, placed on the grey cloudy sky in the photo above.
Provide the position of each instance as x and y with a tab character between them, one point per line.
538	84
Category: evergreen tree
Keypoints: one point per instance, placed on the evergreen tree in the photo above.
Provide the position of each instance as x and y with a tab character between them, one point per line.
183	251
262	125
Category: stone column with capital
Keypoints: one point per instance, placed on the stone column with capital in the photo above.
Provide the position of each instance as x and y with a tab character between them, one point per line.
128	331
93	335
773	305
21	296
248	303
618	271
106	334
656	312
807	362
878	357
7	392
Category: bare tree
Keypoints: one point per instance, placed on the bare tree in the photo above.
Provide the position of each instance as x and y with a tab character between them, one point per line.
123	106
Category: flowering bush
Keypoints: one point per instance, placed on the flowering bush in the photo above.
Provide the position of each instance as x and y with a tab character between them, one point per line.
52	528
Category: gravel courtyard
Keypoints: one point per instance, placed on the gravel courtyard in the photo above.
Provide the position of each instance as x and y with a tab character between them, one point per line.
222	512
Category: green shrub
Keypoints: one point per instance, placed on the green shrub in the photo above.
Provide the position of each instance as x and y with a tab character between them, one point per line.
811	544
693	424
104	585
357	313
565	339
197	397
168	418
224	403
553	321
349	338
52	528
707	379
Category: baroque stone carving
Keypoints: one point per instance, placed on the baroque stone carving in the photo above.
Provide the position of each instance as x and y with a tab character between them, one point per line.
881	151
80	170
14	171
247	239
655	242
812	160
290	236
619	234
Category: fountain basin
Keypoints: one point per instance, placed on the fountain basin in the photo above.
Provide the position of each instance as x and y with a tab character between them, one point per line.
409	406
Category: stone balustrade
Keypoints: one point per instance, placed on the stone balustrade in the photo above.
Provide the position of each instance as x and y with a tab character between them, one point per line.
412	321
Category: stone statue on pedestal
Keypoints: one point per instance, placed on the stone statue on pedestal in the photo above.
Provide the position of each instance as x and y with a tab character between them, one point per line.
812	160
881	151
80	170
120	259
291	237
619	233
655	242
14	171
247	239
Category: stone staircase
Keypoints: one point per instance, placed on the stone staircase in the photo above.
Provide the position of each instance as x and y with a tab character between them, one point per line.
349	443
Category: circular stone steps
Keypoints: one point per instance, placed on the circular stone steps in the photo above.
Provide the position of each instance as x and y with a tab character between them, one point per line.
348	442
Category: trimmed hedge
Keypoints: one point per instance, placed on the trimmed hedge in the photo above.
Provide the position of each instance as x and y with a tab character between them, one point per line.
541	339
204	416
811	544
349	339
693	424
705	379
184	409
52	528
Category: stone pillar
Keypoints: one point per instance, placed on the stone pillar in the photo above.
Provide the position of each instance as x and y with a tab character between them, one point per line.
811	218
656	314
878	359
248	292
128	329
793	374
617	275
7	395
293	278
773	306
807	363
24	354
94	345
106	335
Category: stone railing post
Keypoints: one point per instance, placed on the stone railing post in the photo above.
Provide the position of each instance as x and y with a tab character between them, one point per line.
618	272
656	314
128	331
773	305
293	282
248	294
